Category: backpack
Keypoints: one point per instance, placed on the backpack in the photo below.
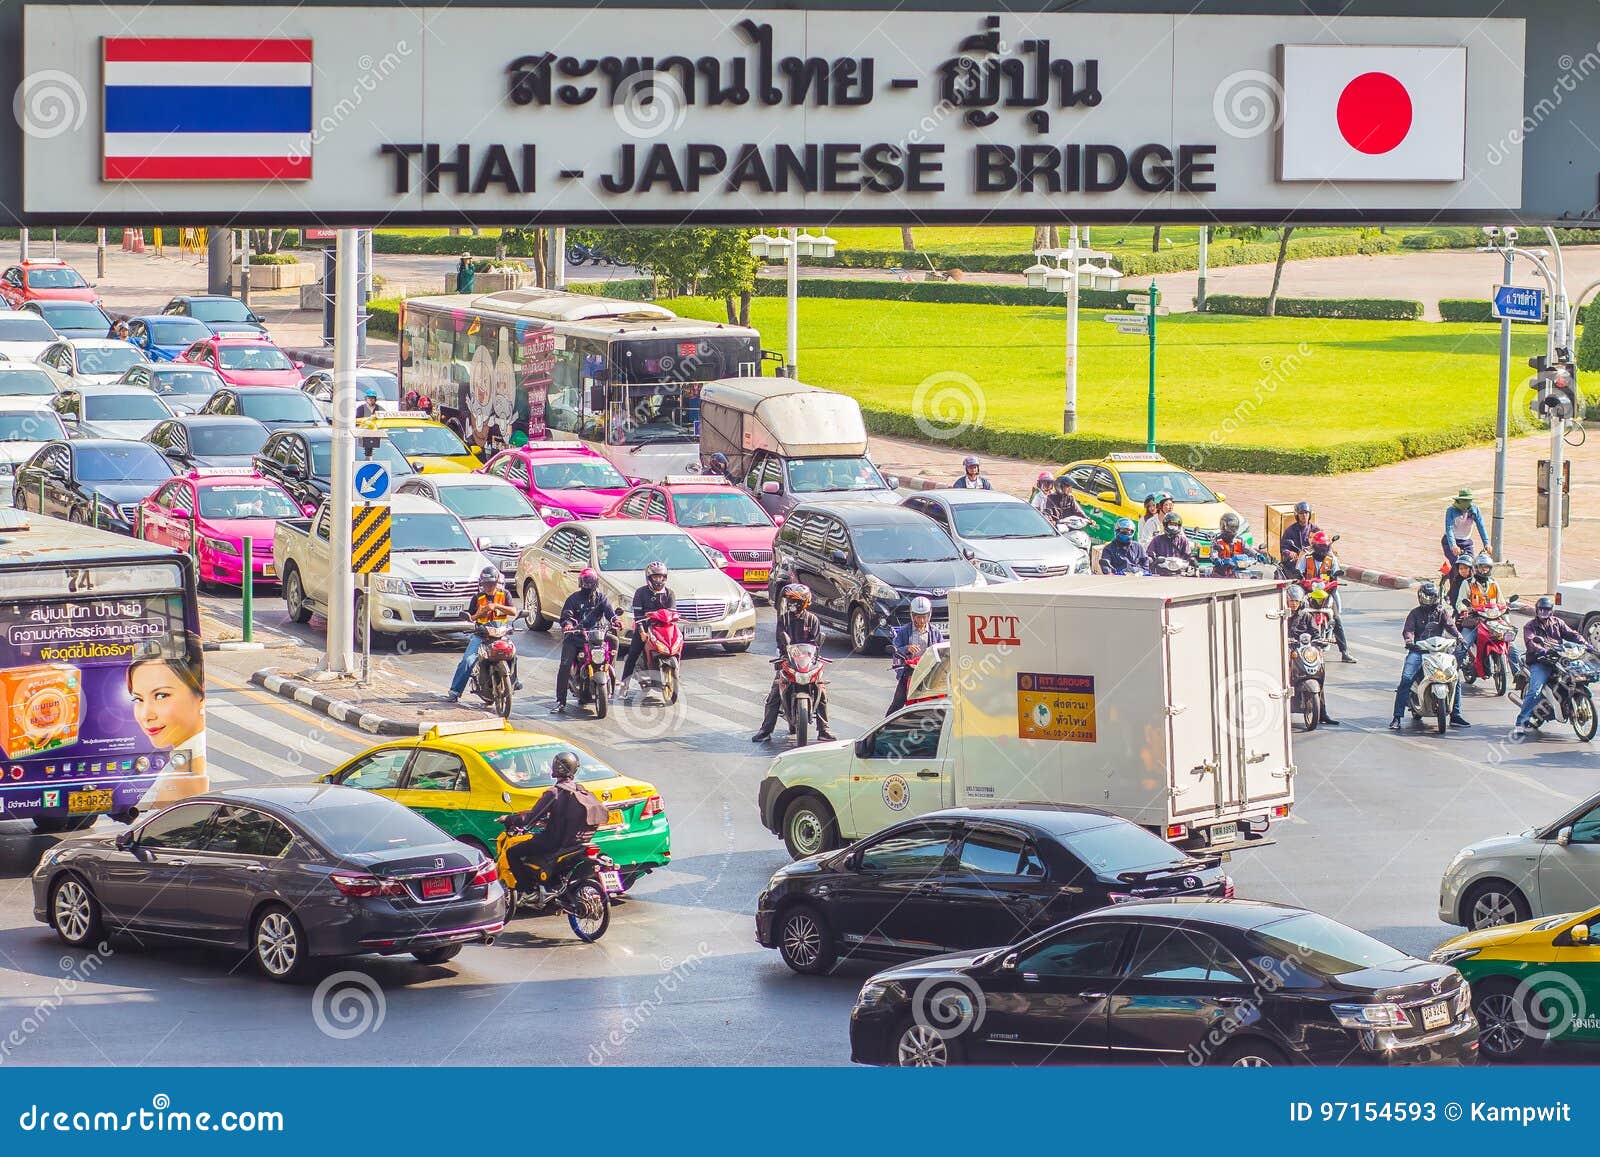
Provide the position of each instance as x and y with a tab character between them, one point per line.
595	813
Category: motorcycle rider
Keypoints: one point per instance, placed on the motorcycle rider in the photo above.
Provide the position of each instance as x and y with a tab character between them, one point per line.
1299	620
1171	542
1318	563
1459	519
1295	540
718	464
796	624
561	810
585	609
1123	553
910	641
971	476
653	596
1483	593
1542	635
1150	523
1428	620
369	407
1061	502
1041	491
1458	587
1230	548
489	604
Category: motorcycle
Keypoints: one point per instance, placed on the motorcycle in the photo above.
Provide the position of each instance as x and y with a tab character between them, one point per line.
1434	690
593	671
578	253
1566	697
801	672
1075	527
492	674
663	651
1174	567
585	880
1306	670
1490	655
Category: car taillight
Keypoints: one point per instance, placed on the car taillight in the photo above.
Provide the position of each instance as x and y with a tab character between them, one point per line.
652	807
354	885
591	851
1280	812
487	873
1227	887
1177	831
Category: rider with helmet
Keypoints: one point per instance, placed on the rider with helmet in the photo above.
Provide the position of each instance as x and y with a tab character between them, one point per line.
1483	593
718	464
561	810
585	609
1061	503
971	476
1429	619
1317	563
1299	619
1171	542
369	407
489	604
1458	586
653	596
796	624
1229	548
1123	554
1461	517
1041	491
1542	634
1295	541
910	641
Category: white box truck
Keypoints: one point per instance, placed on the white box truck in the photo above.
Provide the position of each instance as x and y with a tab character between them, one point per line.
1163	701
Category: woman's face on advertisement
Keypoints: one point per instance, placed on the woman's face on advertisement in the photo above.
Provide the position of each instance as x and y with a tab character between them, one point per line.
164	706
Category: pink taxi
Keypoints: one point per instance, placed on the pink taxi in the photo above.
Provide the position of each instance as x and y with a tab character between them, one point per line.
565	480
726	522
213	512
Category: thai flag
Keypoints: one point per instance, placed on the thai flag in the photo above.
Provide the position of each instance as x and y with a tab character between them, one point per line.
207	109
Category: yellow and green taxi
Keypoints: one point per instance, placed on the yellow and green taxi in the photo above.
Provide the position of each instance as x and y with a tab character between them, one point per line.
1534	981
462	775
428	444
1115	487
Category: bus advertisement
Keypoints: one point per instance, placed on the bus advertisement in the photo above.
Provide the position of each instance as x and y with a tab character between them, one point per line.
102	687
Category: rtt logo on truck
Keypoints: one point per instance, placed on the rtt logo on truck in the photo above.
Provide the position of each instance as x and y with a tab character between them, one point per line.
993	630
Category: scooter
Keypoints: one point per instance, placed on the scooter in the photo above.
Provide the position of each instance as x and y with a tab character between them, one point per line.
495	671
663	651
1490	656
1566	697
593	672
1434	690
1075	527
1174	567
585	880
1306	671
801	672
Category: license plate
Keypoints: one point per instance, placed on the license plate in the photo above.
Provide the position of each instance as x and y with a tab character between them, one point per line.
697	632
612	882
268	570
87	802
1205	550
756	576
437	886
1221	833
614	818
449	610
1436	1015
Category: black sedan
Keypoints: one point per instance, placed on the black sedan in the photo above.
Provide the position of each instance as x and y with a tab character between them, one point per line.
1178	981
285	872
301	461
95	481
275	407
209	441
968	878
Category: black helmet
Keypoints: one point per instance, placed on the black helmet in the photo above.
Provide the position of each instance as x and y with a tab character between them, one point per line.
488	576
1229	524
1302	507
564	766
1173	521
590	579
1428	594
1545	607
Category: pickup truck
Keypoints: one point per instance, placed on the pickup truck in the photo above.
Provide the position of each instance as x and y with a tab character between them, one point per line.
1578	605
433	569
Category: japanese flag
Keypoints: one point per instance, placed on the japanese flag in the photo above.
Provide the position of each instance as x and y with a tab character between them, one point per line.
1364	112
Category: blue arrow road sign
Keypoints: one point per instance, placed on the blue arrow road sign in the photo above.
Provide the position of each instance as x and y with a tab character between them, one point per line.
1518	303
372	481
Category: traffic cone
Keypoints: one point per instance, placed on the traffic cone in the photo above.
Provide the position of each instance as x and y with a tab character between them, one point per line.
127	240
138	240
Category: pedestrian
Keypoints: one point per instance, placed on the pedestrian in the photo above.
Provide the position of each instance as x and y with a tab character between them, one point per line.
466	277
119	330
1460	517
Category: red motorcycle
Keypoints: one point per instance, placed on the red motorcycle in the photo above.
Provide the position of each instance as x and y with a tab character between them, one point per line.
593	672
801	672
663	651
1490	656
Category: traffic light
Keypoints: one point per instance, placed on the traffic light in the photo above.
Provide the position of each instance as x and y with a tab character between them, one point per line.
1555	389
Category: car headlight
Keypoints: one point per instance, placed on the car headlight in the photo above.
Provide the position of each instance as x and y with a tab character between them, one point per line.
872	994
993	569
1451	955
744	604
718	559
1082	566
386	584
878	589
107	509
1371	1016
1079	539
1460	858
220	546
552	512
8	468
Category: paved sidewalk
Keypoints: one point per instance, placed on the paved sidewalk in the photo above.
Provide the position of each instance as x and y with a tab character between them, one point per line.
389	703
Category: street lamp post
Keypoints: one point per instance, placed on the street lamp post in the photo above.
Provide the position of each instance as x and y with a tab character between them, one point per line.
1063	278
792	248
1508	237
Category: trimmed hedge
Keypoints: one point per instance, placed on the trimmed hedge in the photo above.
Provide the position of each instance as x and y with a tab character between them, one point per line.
1461	238
1471	309
383	317
860	289
1356	308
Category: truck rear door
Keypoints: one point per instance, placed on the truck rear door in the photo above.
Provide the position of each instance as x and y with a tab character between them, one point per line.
1197	761
1261	708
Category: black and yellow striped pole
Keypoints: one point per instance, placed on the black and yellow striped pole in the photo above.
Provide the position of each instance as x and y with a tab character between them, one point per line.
369	539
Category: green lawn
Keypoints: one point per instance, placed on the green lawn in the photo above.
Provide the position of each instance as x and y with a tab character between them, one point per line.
1015	239
1280	383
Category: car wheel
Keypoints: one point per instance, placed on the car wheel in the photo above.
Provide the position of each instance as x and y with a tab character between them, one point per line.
860	631
279	944
1504	1032
1591	629
736	648
805	941
1493	903
921	1046
531	608
809	827
438	955
294	595
1252	1054
75	913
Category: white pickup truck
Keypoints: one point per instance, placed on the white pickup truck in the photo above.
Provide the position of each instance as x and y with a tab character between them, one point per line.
1163	701
1578	605
433	569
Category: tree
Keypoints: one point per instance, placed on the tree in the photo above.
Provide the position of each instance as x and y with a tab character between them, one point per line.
1588	351
672	257
1046	237
907	242
1155	239
730	271
1277	270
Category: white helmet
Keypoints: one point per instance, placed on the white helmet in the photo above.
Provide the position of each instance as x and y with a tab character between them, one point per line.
921	606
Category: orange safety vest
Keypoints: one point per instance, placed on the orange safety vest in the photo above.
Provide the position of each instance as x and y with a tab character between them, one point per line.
482	606
1483	596
1311	568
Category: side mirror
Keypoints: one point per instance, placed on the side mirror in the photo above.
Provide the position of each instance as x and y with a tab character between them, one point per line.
180	513
839	558
770	488
476	449
1221	497
1335	538
1106	496
1564	836
124	840
969	554
777	520
308	508
1513	600
299	365
1580	934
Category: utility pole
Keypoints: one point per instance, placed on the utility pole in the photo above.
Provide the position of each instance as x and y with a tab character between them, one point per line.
22	234
341	582
1069	413
1200	286
1497	526
1150	405
793	305
99	253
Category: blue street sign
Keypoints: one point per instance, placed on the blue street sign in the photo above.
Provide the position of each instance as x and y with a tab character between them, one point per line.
372	481
1518	303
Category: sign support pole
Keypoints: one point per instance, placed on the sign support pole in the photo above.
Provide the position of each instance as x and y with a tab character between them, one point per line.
1496	532
1069	413
1150	404
1557	504
794	306
341	583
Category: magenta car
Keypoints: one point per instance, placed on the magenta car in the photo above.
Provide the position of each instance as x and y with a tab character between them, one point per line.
565	481
726	522
214	512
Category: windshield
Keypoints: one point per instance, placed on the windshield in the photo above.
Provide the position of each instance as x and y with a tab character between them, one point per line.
236	438
135	461
25	329
424	441
374	824
109	359
32	426
1325	946
1183	486
581	474
658	414
280	406
909	542
195	383
246	500
386	386
530	766
487	502
1124	847
249	358
322	456
999	520
55	279
26	383
418	532
636	551
74	315
812	475
219	309
123	407
178	331
734	508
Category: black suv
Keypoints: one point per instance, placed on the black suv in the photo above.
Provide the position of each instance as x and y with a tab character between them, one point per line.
301	461
864	563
